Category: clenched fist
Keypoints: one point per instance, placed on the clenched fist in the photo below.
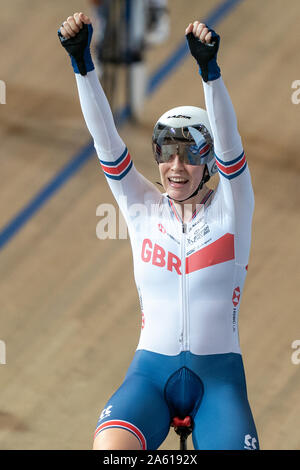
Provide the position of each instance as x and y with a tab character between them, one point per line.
204	45
200	31
73	25
75	36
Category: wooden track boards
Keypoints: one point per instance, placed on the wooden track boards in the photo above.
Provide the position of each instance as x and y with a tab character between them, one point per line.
69	307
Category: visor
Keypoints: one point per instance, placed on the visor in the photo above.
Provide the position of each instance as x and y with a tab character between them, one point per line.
194	146
189	153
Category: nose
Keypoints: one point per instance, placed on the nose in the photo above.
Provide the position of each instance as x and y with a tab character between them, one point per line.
177	162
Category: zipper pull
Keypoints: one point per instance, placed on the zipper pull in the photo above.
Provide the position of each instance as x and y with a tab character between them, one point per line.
183	228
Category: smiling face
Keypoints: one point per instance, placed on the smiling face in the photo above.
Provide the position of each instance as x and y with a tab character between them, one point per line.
179	179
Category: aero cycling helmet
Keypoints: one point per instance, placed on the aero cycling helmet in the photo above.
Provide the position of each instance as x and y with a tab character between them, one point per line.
187	130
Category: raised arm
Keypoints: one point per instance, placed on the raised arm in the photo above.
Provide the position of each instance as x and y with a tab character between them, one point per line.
124	180
235	186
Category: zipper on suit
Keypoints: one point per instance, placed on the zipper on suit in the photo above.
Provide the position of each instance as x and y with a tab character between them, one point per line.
184	333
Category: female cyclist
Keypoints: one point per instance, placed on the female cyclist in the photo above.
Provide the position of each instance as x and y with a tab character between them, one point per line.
190	249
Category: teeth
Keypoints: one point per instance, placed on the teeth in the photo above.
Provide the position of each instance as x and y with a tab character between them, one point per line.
177	180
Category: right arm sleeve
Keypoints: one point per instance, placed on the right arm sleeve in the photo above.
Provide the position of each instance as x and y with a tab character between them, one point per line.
119	170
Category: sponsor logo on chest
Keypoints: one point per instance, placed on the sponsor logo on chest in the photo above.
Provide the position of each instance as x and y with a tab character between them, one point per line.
216	252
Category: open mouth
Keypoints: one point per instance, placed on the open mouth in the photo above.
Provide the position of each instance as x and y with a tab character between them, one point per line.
177	182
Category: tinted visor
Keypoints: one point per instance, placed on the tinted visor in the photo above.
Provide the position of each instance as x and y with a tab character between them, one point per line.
193	145
188	153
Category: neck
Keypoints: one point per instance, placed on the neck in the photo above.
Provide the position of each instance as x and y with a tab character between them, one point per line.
188	207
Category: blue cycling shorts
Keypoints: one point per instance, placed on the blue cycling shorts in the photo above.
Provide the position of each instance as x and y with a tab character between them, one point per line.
209	388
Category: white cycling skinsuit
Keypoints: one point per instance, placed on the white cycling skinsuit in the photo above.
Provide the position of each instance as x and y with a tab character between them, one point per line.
190	278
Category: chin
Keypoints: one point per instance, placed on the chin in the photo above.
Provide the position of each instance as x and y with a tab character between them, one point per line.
179	194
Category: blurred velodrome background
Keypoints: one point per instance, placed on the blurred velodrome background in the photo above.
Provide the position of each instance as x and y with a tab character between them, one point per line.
69	313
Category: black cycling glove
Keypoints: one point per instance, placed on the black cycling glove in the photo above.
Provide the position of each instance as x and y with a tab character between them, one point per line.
205	55
78	49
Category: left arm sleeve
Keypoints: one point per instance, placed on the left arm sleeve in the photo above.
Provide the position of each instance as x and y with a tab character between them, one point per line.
235	181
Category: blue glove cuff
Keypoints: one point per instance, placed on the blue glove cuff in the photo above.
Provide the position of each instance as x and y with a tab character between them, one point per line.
214	71
87	60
